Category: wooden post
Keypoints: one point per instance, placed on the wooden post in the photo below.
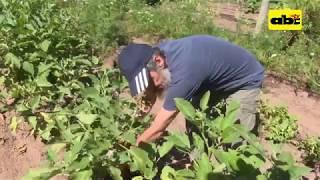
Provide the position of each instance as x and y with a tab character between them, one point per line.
262	16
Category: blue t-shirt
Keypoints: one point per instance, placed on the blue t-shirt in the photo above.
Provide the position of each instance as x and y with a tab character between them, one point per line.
200	63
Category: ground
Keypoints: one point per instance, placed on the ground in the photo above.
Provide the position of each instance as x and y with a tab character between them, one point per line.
18	152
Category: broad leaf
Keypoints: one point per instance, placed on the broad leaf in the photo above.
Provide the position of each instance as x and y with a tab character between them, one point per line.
57	147
52	155
142	162
33	121
34	103
165	148
186	108
185	174
40	173
86	118
179	139
14	124
28	67
44	46
203	167
115	173
79	165
297	172
168	173
198	142
82	175
44	68
262	177
230	136
42	81
13	60
230	118
204	101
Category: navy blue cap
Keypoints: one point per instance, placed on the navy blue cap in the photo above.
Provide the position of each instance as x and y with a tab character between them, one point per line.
132	63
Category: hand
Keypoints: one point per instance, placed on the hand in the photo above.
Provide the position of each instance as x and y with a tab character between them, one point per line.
140	140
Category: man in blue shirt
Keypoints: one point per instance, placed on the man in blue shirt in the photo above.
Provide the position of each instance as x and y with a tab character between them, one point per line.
187	68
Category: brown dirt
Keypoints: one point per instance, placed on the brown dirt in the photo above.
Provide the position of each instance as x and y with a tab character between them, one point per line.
232	17
18	152
302	104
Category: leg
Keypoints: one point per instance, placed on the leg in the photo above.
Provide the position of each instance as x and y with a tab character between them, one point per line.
248	100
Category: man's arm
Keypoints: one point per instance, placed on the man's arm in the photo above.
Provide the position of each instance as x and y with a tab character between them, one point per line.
158	126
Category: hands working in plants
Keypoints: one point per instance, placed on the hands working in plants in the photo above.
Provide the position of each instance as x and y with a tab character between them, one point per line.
158	126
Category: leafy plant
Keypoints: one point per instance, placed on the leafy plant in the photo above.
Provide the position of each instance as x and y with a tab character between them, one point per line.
215	160
311	148
279	126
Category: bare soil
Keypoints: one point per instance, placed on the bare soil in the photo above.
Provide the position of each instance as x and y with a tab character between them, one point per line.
18	152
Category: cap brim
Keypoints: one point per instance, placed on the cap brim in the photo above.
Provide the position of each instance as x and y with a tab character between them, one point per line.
140	82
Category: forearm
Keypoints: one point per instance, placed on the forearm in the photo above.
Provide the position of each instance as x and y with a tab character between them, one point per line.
158	126
155	130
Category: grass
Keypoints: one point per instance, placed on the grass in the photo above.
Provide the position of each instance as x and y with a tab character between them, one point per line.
293	55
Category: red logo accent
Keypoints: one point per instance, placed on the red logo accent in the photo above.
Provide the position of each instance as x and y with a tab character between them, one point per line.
295	16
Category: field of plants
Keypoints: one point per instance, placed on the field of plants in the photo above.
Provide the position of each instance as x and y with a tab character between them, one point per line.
52	77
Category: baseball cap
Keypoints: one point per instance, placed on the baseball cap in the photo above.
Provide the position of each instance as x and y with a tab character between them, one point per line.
132	63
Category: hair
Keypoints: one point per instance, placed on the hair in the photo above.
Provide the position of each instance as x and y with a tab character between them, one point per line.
151	65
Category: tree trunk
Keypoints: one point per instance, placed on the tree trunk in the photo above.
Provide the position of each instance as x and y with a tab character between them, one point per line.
262	16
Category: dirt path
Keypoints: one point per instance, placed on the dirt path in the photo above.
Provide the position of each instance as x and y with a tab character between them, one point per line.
18	152
304	106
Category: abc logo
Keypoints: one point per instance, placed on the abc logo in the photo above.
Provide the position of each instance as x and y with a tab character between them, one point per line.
285	19
294	19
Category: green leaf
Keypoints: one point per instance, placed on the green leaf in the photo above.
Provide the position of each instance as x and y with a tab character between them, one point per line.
44	68
13	60
185	174
95	60
84	61
90	93
79	165
129	136
165	148
203	167
137	178
44	46
40	173
204	101
186	108
57	147
52	155
262	177
297	172
179	139
86	118
287	158
2	80
230	118
33	121
168	173
219	168
232	106
198	142
28	67
230	136
34	103
42	81
14	124
142	162
115	173
82	175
